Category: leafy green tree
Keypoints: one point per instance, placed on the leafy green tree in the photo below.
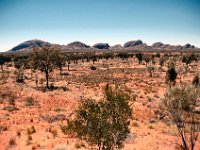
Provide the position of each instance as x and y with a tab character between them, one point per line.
104	123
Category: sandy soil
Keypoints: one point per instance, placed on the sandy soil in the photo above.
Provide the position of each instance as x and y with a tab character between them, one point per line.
51	108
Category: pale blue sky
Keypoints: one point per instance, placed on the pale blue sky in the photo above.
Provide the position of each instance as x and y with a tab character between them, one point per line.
92	21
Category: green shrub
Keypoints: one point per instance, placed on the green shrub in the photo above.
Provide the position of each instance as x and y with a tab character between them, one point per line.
104	123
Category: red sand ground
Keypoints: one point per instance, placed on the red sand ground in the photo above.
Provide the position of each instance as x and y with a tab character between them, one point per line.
83	83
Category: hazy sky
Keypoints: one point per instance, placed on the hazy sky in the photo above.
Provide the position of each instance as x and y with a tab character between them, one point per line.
92	21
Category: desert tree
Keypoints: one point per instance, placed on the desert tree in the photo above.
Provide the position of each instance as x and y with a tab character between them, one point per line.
171	75
162	60
108	55
180	72
123	55
3	60
153	59
20	63
43	58
157	55
150	69
104	123
68	59
139	56
147	58
60	60
171	62
188	59
180	103
94	58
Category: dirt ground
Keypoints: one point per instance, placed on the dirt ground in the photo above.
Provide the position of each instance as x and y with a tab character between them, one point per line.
37	126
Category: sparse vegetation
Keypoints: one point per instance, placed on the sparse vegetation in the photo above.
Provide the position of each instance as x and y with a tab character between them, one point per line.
29	101
12	142
31	130
150	69
3	128
195	80
93	68
101	122
10	108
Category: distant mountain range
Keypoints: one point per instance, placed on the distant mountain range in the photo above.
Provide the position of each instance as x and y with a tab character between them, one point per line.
138	44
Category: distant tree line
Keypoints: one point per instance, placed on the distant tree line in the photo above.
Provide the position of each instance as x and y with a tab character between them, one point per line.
46	59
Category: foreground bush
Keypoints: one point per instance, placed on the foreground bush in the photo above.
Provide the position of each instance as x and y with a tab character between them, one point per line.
104	123
180	103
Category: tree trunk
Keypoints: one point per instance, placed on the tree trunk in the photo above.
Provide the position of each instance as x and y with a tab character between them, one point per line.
99	146
60	70
68	67
47	78
2	68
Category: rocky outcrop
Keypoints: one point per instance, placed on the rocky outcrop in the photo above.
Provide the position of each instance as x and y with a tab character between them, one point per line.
77	45
157	45
102	46
27	45
188	46
134	44
117	47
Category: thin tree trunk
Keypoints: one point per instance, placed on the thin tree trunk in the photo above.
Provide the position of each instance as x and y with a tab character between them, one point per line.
180	78
99	146
2	68
47	79
60	70
68	67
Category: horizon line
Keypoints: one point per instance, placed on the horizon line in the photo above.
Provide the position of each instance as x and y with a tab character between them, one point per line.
91	45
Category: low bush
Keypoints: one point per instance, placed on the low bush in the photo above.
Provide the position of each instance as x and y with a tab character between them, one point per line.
93	68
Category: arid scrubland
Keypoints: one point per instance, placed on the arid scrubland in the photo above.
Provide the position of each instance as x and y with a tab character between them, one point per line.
40	94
